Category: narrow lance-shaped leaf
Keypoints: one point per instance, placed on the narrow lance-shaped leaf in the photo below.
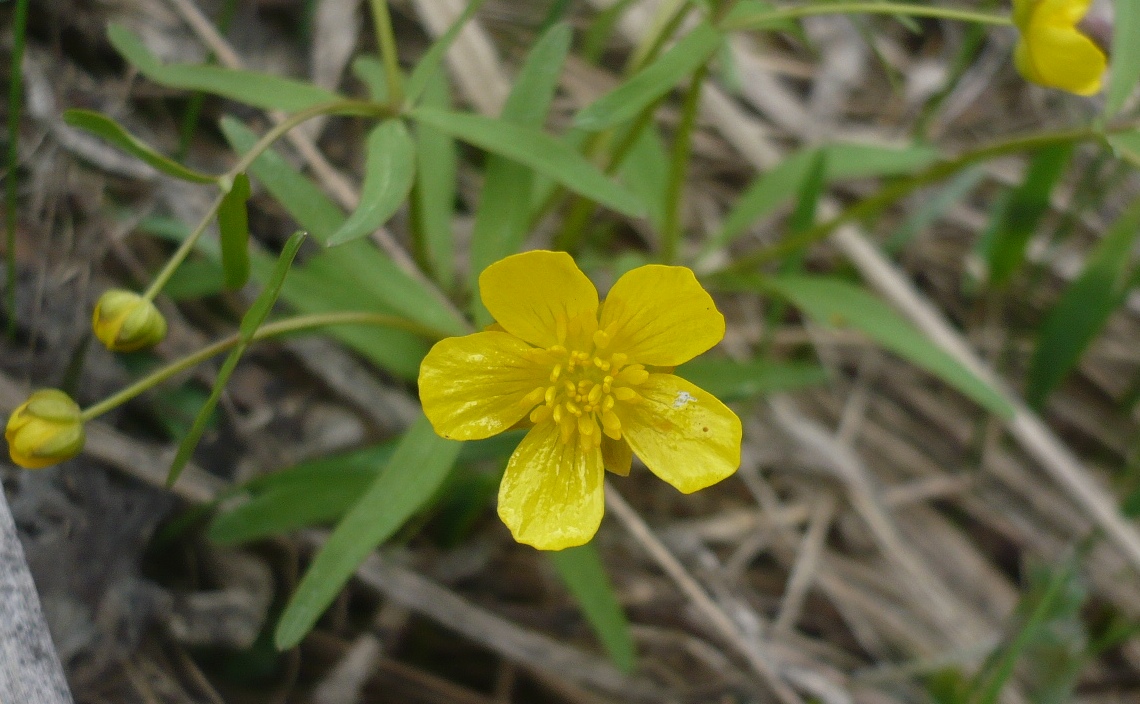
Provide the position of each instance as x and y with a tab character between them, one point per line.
1083	309
583	573
233	230
261	90
430	62
389	171
729	380
252	320
1126	145
539	151
370	71
433	197
836	303
104	127
504	204
652	82
411	477
1125	68
1027	204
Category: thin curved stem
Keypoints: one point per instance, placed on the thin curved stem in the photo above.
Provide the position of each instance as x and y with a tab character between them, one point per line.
761	20
281	327
183	251
386	38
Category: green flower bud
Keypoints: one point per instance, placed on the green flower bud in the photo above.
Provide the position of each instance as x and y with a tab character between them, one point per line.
47	429
124	321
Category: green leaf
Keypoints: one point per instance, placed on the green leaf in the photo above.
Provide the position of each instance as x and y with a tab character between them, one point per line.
646	170
584	575
539	151
504	205
433	198
747	9
736	381
431	61
835	303
772	189
370	71
1083	308
389	171
650	83
1125	68
233	229
250	322
260	90
931	209
849	160
355	276
104	127
195	278
1018	220
1126	145
418	467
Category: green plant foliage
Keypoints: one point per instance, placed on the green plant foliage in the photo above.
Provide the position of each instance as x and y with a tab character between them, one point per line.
355	276
260	90
835	303
503	215
1016	221
253	319
583	573
419	465
1125	68
430	63
233	232
105	128
539	151
433	197
655	80
1126	145
389	171
1083	309
737	381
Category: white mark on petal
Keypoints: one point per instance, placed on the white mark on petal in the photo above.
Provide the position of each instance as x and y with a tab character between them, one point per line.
683	398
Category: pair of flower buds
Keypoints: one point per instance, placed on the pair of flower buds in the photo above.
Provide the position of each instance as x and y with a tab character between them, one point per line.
48	428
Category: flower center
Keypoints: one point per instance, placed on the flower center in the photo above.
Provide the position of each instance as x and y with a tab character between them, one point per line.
585	385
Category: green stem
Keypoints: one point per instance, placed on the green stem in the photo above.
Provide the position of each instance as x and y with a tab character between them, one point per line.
337	107
679	166
761	20
183	251
386	38
274	329
225	181
15	98
875	204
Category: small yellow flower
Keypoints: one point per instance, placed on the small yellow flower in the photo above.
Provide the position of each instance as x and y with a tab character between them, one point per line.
596	384
124	321
1052	51
47	429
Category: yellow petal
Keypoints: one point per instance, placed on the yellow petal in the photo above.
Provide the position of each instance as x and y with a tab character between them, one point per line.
471	387
617	456
684	434
535	295
660	315
551	495
1052	51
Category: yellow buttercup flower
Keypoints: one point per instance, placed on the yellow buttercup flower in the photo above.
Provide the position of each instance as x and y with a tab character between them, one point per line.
1052	51
594	381
47	429
124	321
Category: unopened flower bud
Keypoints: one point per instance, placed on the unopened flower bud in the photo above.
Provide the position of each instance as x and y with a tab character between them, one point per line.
124	321
47	429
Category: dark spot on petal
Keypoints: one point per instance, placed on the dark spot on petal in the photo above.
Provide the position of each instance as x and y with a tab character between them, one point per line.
705	429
